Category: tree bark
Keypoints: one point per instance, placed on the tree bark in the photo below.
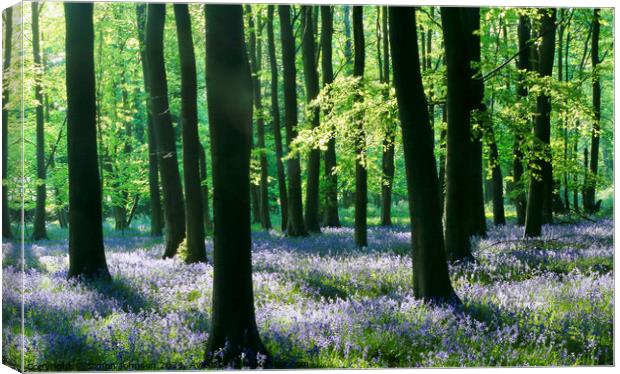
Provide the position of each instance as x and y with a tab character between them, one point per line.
229	97
331	190
477	223
86	252
256	66
38	231
275	115
523	63
195	235
204	187
311	76
174	211
387	154
155	199
589	205
541	173
361	178
499	217
431	280
458	148
7	232
295	224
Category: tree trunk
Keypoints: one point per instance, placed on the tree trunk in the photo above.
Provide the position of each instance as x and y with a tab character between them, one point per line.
275	115
256	66
589	204
86	252
458	148
295	224
585	179
499	217
538	192
431	280
361	178
7	232
348	51
174	212
195	236
229	97
523	63
204	187
311	76
387	159
38	231
155	199
477	224
331	190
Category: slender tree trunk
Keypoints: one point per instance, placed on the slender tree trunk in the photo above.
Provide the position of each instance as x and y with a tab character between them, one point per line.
562	119
275	115
194	211
361	178
523	63
575	176
431	279
537	191
38	231
458	149
174	212
155	199
229	95
86	252
348	48
295	224
589	205
256	66
387	159
7	232
499	217
477	225
311	76
331	190
585	179
204	187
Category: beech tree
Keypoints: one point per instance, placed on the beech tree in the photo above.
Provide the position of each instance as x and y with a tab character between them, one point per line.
86	252
229	97
361	176
588	203
174	211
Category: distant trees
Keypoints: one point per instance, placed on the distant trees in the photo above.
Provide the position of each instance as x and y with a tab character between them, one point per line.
295	219
86	253
541	179
229	95
7	232
174	211
195	236
430	270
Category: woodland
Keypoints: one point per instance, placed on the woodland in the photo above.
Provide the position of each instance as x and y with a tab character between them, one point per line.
190	186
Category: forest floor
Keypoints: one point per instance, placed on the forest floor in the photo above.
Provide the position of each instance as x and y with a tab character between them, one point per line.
320	302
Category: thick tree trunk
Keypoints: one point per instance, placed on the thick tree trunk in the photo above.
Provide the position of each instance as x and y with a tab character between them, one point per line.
477	223
431	279
229	95
311	76
589	205
38	231
387	159
155	199
174	210
7	232
331	217
256	66
195	236
86	252
458	147
204	187
295	224
361	178
275	115
523	63
538	192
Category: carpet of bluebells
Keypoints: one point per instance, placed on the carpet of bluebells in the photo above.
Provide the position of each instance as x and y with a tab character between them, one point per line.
320	302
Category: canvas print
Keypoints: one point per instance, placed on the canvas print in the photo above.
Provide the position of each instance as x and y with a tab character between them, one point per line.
210	186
